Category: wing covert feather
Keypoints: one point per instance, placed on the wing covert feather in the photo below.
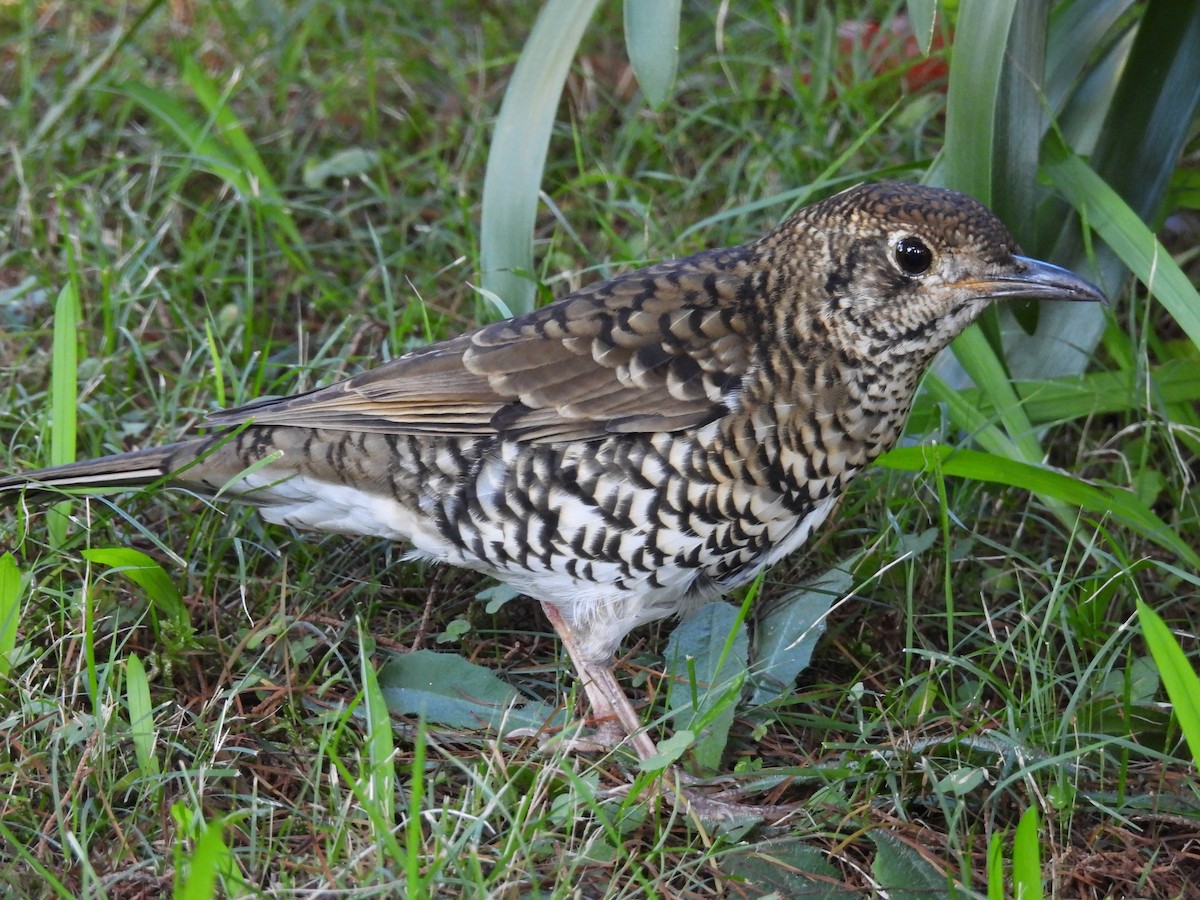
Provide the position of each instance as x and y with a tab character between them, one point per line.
663	348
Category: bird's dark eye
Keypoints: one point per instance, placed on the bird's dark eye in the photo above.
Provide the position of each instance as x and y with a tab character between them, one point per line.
912	256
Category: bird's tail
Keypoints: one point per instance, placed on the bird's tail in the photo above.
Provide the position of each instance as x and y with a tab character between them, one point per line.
121	470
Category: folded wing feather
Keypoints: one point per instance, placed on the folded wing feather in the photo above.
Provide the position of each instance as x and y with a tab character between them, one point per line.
590	365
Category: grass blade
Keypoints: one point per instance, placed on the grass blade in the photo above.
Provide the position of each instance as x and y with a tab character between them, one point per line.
1147	117
260	186
210	858
413	862
1178	676
64	397
985	368
64	384
89	73
19	848
10	610
1061	399
1077	29
379	780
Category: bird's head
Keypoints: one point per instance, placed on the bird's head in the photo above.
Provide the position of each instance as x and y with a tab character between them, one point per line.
905	268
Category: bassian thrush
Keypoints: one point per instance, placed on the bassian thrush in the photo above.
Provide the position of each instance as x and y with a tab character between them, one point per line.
642	445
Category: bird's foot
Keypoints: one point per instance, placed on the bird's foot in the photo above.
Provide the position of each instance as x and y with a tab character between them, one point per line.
721	809
726	808
606	737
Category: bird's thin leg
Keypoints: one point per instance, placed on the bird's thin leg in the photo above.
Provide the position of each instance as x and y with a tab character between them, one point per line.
609	704
607	700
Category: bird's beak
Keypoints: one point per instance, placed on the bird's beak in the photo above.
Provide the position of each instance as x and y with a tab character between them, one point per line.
1039	281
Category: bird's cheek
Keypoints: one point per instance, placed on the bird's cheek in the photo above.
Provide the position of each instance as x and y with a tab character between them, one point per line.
969	308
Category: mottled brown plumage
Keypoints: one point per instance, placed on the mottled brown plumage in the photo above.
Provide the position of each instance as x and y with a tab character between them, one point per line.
644	444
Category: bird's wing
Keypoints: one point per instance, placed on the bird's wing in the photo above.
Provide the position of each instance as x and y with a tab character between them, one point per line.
663	348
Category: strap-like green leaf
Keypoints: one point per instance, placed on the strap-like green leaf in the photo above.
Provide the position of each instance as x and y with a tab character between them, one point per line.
513	178
1045	482
1127	235
652	42
976	66
1178	676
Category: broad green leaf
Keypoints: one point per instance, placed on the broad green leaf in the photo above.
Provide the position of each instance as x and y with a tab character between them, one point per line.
1132	113
994	121
1045	482
652	42
1027	857
995	867
669	751
141	716
210	859
961	782
902	872
379	780
496	596
200	882
923	15
706	660
785	868
450	691
512	181
147	574
348	163
10	609
1081	114
1178	676
787	633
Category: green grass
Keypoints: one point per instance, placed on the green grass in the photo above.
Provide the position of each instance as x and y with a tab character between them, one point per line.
189	695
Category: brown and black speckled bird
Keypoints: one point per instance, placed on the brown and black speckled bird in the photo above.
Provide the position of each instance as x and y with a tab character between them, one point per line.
642	445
